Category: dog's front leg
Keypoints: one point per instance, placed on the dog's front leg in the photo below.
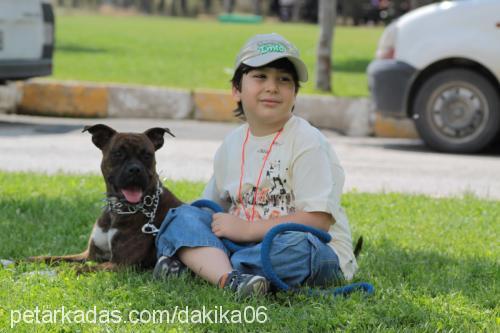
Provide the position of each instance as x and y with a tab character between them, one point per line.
50	260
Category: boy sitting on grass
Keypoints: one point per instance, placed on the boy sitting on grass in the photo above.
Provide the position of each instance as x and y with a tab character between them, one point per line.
276	168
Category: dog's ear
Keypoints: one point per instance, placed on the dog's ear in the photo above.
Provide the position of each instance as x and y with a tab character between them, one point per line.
101	134
156	136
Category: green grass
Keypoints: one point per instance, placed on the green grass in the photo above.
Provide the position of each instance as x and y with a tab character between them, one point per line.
434	264
187	53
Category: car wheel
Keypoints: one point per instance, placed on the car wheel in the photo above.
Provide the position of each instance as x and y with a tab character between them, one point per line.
457	110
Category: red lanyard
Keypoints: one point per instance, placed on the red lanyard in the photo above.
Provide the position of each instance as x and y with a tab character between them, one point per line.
242	171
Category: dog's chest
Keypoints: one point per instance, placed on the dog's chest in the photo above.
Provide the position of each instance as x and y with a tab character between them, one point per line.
103	239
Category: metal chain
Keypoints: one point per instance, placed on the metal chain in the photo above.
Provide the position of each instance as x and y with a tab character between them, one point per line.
147	207
149	227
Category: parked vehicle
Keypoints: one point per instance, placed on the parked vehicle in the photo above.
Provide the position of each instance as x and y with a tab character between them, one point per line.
26	39
440	65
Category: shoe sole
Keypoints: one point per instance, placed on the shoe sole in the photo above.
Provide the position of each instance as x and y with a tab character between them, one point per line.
258	285
164	271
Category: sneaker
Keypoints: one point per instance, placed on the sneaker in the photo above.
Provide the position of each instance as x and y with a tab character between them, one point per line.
168	266
244	285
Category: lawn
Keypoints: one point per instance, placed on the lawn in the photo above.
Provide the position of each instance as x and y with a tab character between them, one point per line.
434	264
188	53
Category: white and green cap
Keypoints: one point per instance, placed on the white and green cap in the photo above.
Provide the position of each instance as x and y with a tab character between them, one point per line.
262	49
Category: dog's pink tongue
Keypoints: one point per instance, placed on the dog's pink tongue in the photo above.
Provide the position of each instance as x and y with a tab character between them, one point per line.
133	195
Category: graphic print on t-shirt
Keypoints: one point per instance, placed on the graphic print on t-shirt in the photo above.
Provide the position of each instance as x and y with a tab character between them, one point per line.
274	198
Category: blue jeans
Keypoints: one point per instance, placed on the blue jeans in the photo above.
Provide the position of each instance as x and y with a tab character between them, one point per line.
297	257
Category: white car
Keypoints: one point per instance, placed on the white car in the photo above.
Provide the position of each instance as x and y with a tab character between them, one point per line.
26	39
440	65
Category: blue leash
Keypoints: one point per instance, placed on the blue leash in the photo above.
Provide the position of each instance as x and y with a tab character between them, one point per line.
266	259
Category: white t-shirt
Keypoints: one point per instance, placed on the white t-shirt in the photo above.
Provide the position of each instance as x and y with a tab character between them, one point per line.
302	173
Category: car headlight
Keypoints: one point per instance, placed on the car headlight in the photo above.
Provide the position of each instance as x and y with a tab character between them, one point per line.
387	43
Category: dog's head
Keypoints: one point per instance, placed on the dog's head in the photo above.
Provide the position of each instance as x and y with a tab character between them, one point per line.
128	160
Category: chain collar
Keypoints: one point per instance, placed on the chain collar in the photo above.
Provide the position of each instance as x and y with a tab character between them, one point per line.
147	207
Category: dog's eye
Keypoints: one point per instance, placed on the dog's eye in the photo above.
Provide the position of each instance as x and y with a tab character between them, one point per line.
117	154
147	156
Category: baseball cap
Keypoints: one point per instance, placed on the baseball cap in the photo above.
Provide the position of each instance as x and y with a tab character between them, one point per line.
265	48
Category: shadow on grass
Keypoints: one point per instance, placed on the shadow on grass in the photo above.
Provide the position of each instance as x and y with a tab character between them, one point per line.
432	273
73	48
355	65
421	290
42	225
415	288
46	226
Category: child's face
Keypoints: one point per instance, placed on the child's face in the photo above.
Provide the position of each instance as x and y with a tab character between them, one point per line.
267	95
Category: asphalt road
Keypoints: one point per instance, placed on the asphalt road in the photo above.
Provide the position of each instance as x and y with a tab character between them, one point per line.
52	145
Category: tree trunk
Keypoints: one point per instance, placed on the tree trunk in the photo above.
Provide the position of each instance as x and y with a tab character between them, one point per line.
326	14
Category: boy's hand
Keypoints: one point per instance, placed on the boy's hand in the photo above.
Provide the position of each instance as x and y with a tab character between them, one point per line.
231	227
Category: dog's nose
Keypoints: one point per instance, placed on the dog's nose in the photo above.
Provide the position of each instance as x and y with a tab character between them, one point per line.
134	170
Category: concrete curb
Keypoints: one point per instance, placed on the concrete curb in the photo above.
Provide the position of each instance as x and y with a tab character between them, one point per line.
149	102
214	105
350	116
394	128
10	95
68	99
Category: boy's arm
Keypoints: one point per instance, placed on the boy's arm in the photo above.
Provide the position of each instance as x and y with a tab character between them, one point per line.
212	193
239	230
319	220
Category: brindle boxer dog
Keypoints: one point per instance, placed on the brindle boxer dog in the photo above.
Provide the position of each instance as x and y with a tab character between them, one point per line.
137	202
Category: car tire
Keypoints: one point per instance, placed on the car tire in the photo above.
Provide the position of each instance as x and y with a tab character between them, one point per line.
458	111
